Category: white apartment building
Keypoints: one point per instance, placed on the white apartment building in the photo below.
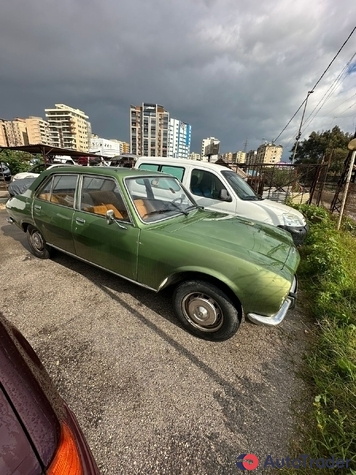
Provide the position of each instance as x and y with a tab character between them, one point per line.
37	131
213	142
69	128
149	130
180	135
105	147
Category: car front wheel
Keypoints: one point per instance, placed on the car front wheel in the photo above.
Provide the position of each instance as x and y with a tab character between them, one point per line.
205	310
37	243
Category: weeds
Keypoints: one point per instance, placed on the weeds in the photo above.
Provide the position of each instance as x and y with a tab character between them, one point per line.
327	276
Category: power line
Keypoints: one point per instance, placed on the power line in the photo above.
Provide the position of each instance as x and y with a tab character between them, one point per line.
328	67
337	54
343	102
328	94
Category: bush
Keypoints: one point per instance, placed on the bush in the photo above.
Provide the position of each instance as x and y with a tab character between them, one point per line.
328	279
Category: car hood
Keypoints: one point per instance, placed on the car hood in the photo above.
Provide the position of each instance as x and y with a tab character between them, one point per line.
240	237
278	208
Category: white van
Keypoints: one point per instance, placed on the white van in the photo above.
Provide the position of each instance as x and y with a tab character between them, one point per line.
218	188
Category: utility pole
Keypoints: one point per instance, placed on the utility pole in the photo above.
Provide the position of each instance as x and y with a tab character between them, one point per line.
352	147
300	127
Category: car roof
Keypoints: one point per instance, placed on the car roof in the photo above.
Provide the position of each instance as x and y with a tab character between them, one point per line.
105	171
180	161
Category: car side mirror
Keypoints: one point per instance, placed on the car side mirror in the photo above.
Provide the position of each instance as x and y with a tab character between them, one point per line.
224	195
110	216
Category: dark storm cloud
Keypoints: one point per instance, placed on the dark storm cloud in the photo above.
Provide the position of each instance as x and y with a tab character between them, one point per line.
237	70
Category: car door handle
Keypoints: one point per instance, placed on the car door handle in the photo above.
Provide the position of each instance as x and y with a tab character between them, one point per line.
80	220
38	207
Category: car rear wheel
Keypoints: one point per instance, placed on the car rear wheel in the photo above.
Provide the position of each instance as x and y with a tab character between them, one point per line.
37	243
205	310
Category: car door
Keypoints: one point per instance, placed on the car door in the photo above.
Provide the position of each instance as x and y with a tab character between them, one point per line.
111	246
207	188
53	209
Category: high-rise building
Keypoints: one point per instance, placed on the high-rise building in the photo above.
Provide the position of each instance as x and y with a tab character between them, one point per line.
37	131
180	135
69	128
149	129
125	147
14	132
269	153
251	157
239	157
227	157
211	141
3	139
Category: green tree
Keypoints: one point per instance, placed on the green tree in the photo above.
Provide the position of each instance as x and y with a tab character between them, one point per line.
329	144
17	161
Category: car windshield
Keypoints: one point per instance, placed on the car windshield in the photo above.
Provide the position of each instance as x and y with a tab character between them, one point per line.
240	187
158	197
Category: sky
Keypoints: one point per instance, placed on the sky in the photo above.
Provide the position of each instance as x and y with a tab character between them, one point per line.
236	70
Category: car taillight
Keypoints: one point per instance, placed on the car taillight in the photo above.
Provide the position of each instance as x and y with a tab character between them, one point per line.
66	460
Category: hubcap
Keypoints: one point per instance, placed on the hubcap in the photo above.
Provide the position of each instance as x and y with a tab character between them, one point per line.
37	241
202	312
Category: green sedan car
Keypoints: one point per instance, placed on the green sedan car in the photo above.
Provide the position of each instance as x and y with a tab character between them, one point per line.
145	227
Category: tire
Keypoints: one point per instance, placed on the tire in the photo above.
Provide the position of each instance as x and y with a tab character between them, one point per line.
205	310
37	243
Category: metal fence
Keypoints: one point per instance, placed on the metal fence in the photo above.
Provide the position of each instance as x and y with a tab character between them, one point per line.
302	183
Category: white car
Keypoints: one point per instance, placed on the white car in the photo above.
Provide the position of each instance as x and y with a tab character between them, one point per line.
35	171
217	188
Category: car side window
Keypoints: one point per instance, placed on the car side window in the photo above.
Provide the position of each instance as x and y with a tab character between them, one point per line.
178	172
149	167
99	194
203	183
60	190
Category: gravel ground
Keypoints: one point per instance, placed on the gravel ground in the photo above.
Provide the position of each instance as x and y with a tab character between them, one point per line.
150	397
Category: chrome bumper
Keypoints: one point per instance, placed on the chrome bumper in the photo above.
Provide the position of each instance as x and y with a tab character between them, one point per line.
276	319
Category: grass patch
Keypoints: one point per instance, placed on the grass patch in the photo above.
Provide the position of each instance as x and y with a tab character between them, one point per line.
327	276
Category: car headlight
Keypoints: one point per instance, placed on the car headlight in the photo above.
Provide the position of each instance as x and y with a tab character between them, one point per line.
291	220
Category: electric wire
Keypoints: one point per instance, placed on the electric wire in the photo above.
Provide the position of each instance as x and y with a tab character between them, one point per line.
318	81
327	95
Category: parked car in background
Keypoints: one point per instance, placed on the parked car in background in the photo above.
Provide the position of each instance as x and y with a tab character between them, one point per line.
126	161
90	161
5	172
220	189
18	187
33	172
38	432
143	226
63	159
36	170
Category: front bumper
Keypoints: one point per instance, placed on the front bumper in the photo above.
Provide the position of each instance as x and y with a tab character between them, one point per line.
276	319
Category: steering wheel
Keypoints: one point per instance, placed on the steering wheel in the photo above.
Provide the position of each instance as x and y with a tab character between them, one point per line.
178	200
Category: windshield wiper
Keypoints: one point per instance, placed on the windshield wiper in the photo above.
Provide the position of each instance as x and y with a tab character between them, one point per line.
178	208
194	207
